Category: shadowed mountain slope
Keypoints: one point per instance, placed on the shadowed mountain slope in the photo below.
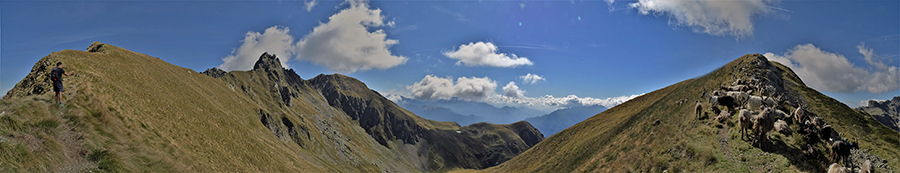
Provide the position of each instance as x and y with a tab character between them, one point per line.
131	112
627	137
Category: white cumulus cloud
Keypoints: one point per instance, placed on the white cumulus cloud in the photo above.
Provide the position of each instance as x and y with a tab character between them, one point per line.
344	44
714	17
485	54
274	40
532	78
512	90
552	102
833	72
482	90
468	88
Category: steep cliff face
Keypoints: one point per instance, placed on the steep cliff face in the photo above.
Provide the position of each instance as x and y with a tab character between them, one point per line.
131	112
382	119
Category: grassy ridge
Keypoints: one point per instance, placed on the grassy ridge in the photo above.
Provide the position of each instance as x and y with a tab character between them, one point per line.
624	139
130	112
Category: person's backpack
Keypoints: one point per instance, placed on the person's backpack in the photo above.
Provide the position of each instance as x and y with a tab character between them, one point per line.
54	75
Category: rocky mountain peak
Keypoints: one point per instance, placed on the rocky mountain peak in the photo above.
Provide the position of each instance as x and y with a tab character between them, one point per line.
96	47
214	72
267	61
887	112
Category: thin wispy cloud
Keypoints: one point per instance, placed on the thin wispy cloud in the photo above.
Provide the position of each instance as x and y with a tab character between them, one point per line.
400	29
459	16
536	47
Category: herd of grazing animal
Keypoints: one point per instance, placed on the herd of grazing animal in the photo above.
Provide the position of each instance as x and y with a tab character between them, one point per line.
762	113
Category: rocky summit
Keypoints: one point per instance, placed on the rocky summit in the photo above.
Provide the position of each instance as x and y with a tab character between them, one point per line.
130	112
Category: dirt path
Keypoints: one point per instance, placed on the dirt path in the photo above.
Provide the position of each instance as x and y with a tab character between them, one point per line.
724	145
71	142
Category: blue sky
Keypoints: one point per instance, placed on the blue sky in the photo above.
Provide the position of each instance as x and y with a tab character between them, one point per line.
583	52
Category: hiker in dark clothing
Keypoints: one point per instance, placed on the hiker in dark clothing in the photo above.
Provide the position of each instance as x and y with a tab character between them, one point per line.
56	76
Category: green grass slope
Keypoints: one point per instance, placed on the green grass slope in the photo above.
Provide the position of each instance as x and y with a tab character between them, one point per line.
625	139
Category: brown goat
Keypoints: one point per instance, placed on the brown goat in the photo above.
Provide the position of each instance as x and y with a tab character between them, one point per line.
763	123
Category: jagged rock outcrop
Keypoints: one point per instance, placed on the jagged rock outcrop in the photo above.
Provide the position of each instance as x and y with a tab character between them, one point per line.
37	81
887	112
267	62
96	47
214	72
283	83
284	128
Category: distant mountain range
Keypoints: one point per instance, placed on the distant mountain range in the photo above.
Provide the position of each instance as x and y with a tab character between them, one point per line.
468	112
561	119
887	112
